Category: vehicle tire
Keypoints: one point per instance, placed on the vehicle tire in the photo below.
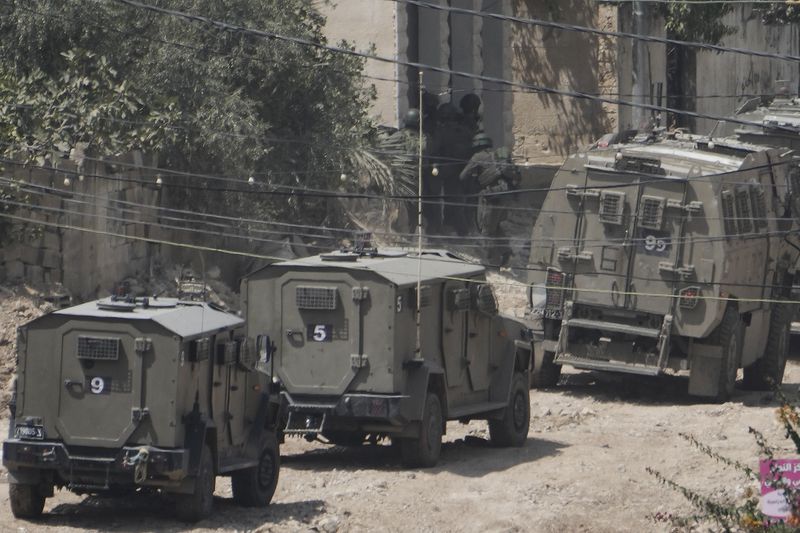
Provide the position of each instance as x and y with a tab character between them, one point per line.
199	504
26	500
769	369
730	337
345	438
512	429
255	486
424	451
546	374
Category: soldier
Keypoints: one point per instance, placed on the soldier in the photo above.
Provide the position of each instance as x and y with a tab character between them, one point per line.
406	143
470	108
489	172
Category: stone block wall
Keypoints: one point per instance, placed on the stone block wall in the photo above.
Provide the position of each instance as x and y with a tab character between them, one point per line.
80	233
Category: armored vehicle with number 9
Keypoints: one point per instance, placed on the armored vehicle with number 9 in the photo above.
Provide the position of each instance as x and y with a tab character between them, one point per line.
341	332
666	253
122	393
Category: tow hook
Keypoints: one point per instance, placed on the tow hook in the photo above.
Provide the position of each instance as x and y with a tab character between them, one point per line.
139	464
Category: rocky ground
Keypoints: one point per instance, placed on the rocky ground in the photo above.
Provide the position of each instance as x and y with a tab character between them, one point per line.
582	468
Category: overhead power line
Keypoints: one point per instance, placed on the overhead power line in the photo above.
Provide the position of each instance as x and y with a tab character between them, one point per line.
603	33
423	258
422	66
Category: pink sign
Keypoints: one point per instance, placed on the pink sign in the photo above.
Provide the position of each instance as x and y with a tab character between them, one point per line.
773	502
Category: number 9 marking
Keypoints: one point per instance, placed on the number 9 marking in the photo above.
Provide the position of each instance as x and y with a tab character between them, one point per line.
97	385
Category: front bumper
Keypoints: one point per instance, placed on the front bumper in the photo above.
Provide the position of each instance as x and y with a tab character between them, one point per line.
95	468
310	415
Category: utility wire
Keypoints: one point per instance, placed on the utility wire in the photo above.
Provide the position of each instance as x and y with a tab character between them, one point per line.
440	89
299	230
594	31
603	243
373	57
424	258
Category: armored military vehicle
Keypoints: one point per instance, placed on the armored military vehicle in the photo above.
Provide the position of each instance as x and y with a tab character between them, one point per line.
122	393
666	253
341	329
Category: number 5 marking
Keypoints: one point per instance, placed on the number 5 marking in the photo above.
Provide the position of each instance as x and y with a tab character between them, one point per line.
319	333
97	385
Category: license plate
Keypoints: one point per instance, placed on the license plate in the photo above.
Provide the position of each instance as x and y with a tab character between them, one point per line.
29	432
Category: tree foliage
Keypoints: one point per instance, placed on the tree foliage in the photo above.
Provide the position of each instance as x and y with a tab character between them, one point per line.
780	13
700	22
109	78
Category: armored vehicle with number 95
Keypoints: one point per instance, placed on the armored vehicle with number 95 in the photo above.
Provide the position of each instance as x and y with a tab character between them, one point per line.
341	332
667	253
122	393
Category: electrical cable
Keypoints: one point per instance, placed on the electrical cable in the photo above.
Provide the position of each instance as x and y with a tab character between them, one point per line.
441	89
62	211
268	35
456	278
594	31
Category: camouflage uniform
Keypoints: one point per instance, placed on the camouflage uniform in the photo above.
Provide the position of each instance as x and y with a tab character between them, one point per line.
487	173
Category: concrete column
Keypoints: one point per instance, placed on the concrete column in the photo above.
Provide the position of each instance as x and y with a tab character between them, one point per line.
465	50
434	46
495	47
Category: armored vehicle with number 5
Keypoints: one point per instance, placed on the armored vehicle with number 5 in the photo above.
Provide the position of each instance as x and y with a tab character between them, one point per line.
122	393
667	253
341	332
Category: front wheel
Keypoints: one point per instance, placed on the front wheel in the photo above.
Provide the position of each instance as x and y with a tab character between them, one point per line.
255	486
768	371
729	336
27	501
199	504
423	451
545	373
512	429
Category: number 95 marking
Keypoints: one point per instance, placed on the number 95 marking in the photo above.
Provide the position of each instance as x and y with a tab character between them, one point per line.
99	385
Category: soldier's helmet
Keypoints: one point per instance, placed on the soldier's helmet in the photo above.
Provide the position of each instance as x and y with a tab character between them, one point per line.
447	112
411	119
470	103
481	140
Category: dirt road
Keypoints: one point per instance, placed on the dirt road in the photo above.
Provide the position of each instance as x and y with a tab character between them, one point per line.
582	469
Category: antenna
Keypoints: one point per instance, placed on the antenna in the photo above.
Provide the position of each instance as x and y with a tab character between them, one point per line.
418	352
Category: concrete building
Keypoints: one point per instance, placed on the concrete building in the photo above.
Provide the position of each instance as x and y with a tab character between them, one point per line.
540	127
545	127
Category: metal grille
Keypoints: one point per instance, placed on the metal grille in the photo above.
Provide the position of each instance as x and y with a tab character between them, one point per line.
611	204
728	213
98	348
652	212
316	298
743	222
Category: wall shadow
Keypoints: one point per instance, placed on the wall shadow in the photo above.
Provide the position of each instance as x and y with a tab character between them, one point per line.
155	512
570	61
468	457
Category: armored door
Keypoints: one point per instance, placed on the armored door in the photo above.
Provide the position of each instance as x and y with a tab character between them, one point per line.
229	384
627	239
321	339
101	384
454	333
478	346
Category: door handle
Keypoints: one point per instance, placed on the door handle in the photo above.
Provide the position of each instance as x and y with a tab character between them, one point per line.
72	383
292	332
